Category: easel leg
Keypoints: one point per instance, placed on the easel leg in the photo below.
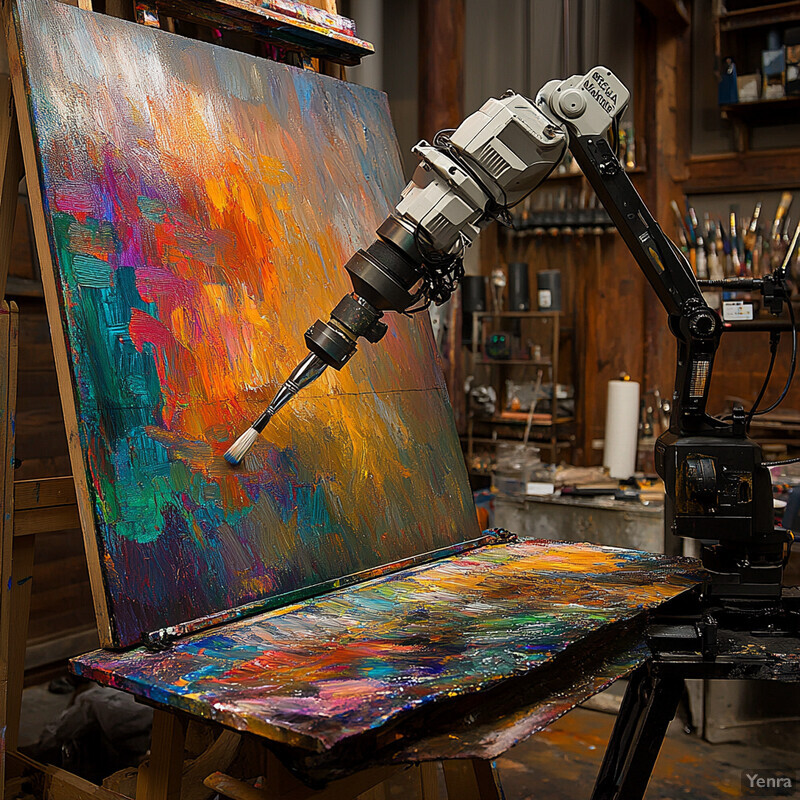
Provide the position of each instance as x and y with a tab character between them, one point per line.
473	779
648	707
20	596
161	780
12	651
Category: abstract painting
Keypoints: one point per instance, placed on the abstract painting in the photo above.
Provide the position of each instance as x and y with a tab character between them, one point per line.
200	204
361	660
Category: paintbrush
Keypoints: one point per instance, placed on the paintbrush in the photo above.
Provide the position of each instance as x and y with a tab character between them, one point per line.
783	207
752	229
735	262
681	222
788	257
307	371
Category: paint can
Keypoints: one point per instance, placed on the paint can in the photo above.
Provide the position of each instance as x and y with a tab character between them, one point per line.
519	290
473	299
548	283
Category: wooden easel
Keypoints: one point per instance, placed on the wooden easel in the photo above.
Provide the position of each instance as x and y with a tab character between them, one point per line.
49	505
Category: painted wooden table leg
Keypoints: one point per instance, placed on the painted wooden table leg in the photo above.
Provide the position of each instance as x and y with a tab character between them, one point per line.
472	779
161	779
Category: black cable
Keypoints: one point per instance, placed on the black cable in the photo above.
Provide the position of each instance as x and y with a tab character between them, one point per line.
615	134
774	340
792	367
442	272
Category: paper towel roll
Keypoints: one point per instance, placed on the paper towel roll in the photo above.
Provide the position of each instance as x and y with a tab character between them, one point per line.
622	428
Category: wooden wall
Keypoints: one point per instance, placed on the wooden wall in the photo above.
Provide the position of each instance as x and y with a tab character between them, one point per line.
62	616
618	323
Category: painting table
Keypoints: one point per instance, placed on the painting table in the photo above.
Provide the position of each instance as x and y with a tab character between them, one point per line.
334	595
460	658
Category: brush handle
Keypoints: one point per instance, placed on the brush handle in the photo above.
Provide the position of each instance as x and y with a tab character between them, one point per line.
262	421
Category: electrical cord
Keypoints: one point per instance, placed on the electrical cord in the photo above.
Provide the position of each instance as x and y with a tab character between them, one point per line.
774	340
785	389
441	273
792	367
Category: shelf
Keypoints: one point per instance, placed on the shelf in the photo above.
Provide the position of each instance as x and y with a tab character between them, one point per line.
760	16
571	176
535	424
755	170
516	314
765	111
486	440
264	23
546	362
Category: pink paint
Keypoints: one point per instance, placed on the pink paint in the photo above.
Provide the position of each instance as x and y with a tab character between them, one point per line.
146	329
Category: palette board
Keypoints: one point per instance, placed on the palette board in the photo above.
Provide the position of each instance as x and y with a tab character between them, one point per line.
358	661
199	204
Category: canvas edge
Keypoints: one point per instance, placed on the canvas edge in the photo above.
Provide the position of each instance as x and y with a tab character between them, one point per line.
30	151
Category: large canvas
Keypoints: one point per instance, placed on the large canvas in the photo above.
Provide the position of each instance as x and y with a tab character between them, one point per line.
498	622
200	204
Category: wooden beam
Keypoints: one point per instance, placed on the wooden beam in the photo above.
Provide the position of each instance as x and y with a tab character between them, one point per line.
58	784
10	175
672	12
668	51
755	170
343	789
48	649
441	105
46	520
161	778
44	493
12	652
20	597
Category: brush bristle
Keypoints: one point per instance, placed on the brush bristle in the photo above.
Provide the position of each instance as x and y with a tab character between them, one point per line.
238	450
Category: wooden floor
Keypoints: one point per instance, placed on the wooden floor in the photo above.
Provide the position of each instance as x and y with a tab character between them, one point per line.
561	763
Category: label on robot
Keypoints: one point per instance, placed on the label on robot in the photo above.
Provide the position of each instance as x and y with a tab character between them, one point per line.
736	309
602	91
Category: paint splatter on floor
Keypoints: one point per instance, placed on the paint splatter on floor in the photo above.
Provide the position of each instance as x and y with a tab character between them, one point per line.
561	763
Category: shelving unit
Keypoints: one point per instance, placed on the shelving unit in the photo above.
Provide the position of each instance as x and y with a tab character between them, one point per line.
548	430
740	33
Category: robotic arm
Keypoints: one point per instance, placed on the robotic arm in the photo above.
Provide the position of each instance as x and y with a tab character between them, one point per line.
716	487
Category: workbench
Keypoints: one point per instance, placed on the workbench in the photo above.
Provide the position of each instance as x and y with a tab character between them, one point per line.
602	520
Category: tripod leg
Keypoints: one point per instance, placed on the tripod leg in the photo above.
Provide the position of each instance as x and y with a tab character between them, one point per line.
648	707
